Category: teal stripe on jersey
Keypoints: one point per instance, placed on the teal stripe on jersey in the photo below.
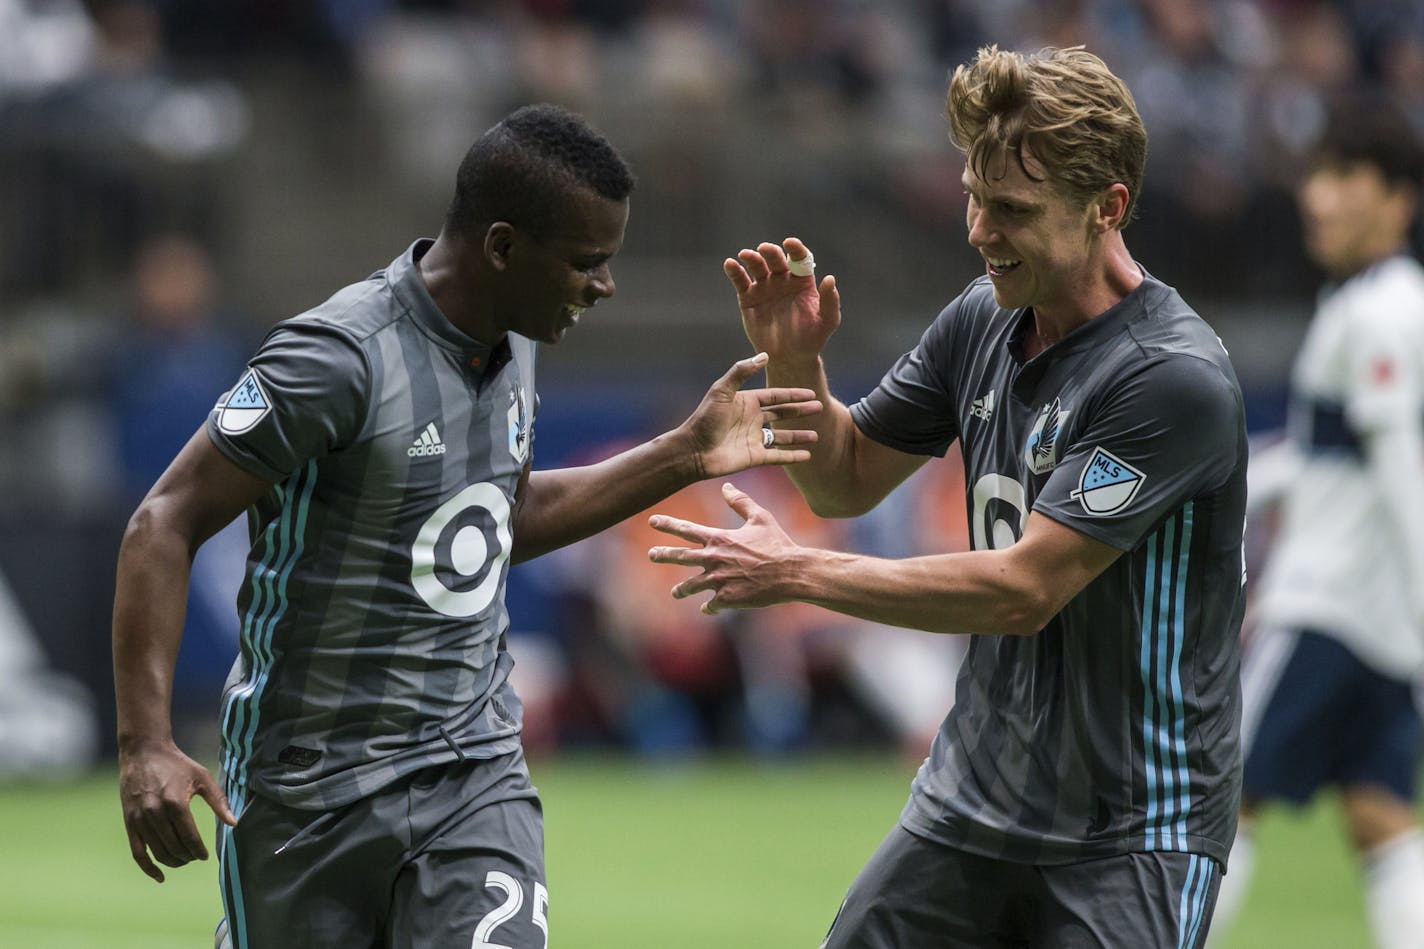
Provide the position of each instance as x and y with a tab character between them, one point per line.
1163	703
284	544
1191	913
1182	780
232	891
1149	695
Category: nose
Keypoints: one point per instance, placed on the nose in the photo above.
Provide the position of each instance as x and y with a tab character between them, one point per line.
974	220
602	284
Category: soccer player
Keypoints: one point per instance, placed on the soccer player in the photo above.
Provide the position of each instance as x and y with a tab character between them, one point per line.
1338	641
373	788
1083	790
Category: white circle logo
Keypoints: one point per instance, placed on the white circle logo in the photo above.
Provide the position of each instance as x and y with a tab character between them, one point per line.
471	549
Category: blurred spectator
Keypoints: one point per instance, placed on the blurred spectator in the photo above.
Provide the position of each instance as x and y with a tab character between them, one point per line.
168	364
93	131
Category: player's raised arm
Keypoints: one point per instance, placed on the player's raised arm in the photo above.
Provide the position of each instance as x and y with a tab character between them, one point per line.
199	493
726	433
790	316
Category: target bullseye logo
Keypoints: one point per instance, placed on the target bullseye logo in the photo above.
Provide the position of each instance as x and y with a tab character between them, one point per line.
466	535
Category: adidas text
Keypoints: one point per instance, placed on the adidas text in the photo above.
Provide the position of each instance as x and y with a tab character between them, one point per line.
428	443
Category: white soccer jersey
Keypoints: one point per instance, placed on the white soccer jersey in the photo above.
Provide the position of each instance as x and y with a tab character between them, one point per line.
1349	558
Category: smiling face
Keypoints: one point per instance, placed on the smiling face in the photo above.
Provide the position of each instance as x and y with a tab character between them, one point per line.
551	278
1036	239
1352	216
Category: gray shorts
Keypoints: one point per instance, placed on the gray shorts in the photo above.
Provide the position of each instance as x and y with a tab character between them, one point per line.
917	893
450	856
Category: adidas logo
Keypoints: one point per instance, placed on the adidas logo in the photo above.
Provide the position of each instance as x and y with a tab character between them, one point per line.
428	443
983	407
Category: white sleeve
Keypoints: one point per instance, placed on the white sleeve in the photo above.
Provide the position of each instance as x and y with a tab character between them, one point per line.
1385	405
1272	467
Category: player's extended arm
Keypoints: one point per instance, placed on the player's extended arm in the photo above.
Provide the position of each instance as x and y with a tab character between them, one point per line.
721	437
199	493
1015	591
791	317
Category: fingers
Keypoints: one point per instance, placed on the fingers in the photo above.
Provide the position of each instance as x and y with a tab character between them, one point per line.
208	791
741	502
741	282
830	300
768	398
741	371
687	530
139	851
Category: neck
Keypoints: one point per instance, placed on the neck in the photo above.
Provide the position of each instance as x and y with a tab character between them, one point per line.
1106	281
455	288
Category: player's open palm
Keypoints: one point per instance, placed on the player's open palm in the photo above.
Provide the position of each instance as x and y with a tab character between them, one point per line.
785	312
727	428
155	788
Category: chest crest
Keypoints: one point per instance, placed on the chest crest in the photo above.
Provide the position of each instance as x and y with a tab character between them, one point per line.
518	417
1041	450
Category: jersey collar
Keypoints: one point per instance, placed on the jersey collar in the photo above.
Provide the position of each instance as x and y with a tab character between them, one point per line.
404	277
1101	327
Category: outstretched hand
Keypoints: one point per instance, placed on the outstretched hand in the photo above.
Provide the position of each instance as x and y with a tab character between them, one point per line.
744	568
790	317
155	788
726	428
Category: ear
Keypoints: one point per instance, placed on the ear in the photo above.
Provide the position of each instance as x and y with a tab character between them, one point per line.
499	240
1110	208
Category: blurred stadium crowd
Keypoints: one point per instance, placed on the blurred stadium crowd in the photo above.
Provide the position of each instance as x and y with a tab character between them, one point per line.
175	177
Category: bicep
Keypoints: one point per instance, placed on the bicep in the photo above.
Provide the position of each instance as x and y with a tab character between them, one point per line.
877	469
202	491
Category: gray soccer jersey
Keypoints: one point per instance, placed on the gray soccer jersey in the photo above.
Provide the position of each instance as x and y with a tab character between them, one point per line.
372	611
1115	729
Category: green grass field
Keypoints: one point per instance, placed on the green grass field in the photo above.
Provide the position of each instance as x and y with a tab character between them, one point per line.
698	856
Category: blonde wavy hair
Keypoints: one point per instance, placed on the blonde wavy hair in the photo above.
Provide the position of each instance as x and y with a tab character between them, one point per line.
1075	118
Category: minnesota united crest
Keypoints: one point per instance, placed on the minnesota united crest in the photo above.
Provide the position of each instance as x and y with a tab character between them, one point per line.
1041	452
518	425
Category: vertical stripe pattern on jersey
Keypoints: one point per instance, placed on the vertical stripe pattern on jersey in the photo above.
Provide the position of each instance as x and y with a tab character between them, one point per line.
231	888
1196	893
1164	739
281	547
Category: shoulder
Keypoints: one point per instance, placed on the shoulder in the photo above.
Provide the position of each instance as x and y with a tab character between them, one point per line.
1386	299
356	312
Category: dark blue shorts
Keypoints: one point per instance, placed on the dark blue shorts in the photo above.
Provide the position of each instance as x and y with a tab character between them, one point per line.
1314	715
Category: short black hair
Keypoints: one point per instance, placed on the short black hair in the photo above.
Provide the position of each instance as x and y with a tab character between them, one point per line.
1371	129
524	169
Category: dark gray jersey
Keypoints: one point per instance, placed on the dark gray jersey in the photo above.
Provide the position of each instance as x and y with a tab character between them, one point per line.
1115	729
372	612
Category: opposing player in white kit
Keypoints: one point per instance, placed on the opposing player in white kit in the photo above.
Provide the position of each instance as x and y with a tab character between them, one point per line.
1328	676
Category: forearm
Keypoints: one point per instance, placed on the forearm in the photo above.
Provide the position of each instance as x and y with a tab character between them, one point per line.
149	603
565	505
830	482
970	592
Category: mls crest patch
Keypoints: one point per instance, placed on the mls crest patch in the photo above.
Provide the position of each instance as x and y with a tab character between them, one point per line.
1108	484
243	407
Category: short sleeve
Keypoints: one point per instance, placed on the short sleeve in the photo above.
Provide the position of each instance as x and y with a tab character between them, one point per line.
302	396
1172	431
913	407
